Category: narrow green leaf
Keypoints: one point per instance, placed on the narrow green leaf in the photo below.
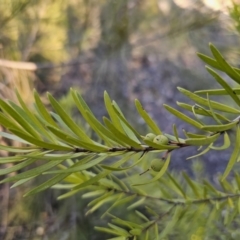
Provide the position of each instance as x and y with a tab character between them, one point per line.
225	66
141	215
83	166
103	174
175	218
107	230
125	123
136	204
120	230
177	186
102	202
213	63
225	85
17	167
69	121
147	118
112	113
42	110
34	119
19	118
203	101
210	61
173	138
192	185
201	153
49	183
218	91
123	138
94	146
193	135
212	112
98	199
21	182
202	141
196	115
202	111
183	116
93	193
175	132
127	224
126	168
102	131
18	149
120	202
39	143
33	172
9	123
226	143
220	128
234	155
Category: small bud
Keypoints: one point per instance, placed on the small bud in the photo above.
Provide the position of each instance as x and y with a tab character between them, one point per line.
157	164
161	139
150	136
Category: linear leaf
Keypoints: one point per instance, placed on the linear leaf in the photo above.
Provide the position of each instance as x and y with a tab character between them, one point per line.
18	149
226	143
42	110
182	116
101	130
125	122
83	166
19	118
112	113
203	101
125	139
175	132
70	123
225	85
233	157
212	112
147	118
49	183
126	168
103	173
193	135
39	143
201	111
94	146
120	202
202	141
191	184
34	119
17	167
226	67
220	128
178	187
173	138
213	63
9	123
217	91
201	153
33	172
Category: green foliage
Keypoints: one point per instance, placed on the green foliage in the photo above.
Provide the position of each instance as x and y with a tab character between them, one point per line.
106	165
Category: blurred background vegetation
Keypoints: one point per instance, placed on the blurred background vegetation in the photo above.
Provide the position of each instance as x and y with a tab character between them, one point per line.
131	48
